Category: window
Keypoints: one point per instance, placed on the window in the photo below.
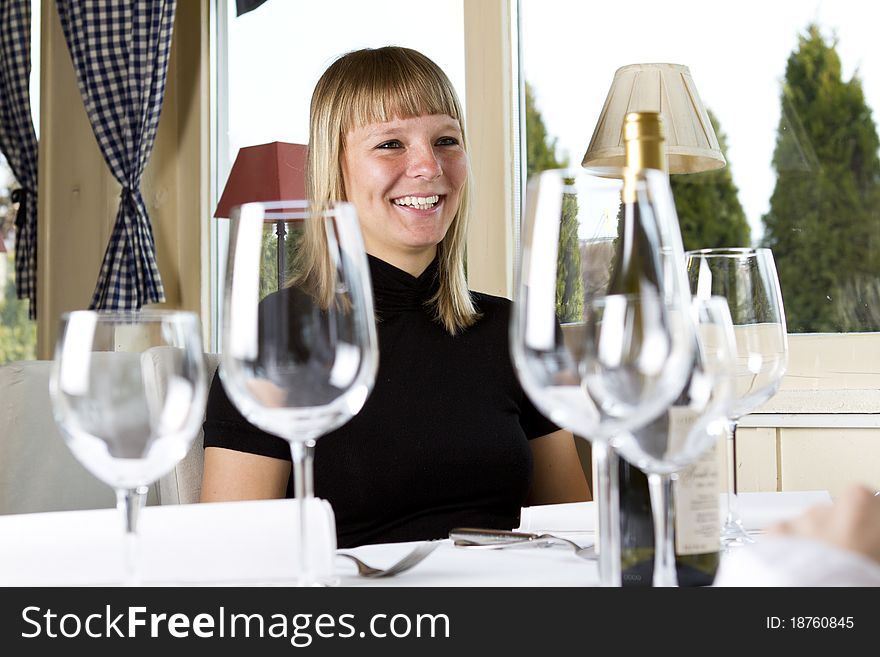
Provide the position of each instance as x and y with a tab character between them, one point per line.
268	62
802	148
18	334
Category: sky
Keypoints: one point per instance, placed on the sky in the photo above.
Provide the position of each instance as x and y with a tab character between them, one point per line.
271	102
736	52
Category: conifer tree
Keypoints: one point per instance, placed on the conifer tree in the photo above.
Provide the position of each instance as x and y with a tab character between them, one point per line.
824	218
540	156
540	148
708	207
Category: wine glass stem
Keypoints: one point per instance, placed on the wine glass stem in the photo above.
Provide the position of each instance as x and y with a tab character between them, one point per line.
309	474
608	508
130	501
732	517
664	550
302	458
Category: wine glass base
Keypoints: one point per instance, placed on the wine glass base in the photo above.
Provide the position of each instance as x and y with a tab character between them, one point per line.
733	535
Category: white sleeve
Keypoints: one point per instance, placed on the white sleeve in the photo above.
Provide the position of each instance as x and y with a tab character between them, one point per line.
787	561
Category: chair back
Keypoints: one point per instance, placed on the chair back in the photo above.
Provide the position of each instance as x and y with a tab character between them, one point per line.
38	472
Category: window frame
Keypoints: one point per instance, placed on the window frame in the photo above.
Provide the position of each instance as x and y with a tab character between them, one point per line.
828	374
815	387
480	17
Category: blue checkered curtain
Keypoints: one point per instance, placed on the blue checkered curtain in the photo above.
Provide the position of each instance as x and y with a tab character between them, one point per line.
119	50
18	141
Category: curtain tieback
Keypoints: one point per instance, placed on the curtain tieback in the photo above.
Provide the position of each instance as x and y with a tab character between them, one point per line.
129	191
20	196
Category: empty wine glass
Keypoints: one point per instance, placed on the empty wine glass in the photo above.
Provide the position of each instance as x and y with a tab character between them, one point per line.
569	261
299	361
696	420
747	279
128	391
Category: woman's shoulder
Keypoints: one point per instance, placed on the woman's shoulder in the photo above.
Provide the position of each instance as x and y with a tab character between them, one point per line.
283	299
483	300
491	307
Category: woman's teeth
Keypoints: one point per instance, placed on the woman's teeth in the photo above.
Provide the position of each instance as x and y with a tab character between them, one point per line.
418	202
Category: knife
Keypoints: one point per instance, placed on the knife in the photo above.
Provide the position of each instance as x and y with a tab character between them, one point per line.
473	536
469	537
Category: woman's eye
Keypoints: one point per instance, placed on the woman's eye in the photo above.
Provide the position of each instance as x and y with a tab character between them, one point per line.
447	141
389	144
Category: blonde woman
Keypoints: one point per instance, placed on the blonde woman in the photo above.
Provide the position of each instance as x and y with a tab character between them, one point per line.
447	437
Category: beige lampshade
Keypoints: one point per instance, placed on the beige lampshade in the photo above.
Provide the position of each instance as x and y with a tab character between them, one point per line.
691	144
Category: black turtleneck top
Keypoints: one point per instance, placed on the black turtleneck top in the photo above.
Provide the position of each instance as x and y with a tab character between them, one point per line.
442	440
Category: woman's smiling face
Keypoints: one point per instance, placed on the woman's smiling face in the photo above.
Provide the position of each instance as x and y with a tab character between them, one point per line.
405	178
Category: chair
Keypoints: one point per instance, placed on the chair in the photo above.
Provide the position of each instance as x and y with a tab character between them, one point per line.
38	472
183	485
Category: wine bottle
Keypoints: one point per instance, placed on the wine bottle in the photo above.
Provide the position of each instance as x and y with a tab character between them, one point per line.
636	267
697	525
636	264
697	520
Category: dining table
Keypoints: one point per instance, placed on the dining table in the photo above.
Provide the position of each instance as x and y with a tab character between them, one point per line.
251	543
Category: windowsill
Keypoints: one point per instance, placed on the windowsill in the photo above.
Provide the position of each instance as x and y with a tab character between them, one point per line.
811	421
828	374
842	400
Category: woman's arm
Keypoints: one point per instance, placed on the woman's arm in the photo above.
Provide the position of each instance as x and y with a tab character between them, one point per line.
558	476
851	523
825	546
231	475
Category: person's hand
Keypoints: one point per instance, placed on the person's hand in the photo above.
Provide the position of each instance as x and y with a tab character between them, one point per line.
851	523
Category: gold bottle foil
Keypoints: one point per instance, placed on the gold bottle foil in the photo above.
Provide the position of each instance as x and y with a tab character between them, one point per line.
644	144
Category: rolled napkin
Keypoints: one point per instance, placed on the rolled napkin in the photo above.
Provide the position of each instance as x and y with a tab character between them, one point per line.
222	543
570	517
789	561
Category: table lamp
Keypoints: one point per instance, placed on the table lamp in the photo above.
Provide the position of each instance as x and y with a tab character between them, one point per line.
691	144
267	172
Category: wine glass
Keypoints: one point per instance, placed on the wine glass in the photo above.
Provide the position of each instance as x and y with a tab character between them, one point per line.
299	361
747	278
128	391
569	261
689	427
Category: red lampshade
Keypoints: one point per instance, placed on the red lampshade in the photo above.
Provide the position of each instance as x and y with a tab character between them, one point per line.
268	172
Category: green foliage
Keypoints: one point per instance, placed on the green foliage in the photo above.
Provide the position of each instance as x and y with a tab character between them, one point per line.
823	224
709	212
540	149
269	260
569	281
18	335
541	155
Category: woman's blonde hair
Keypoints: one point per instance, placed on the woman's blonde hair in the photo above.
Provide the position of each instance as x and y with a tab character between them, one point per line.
375	86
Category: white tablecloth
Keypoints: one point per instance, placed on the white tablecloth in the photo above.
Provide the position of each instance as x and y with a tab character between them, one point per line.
758	511
242	543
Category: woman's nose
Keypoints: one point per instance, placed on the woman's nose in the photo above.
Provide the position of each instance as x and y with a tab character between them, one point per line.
424	163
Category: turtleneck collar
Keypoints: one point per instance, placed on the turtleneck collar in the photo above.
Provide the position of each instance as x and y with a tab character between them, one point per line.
395	290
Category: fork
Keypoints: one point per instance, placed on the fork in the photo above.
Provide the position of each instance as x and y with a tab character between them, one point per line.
466	537
413	558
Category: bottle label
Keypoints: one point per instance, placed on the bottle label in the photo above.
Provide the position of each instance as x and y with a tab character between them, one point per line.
695	493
